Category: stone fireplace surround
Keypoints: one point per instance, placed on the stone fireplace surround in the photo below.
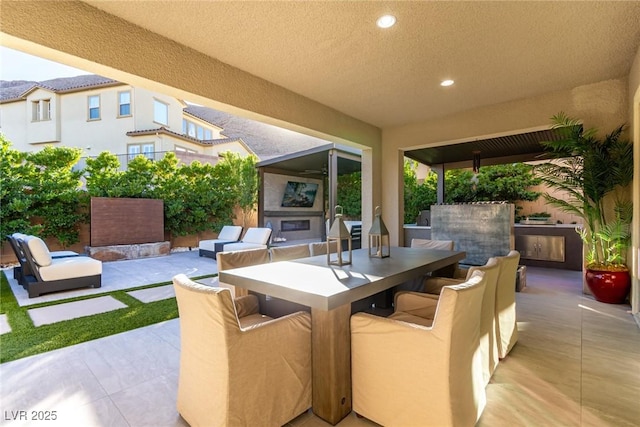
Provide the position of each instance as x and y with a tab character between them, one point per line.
315	220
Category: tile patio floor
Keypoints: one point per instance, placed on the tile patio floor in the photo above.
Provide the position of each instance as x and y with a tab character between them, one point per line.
577	363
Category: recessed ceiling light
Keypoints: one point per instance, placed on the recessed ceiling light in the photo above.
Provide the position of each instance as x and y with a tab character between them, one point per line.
446	83
386	21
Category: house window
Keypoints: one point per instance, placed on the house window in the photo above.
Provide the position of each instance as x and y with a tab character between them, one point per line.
147	150
41	110
124	104
160	112
46	109
35	111
94	107
179	149
196	131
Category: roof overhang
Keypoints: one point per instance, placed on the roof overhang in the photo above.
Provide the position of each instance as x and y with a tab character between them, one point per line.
315	161
521	147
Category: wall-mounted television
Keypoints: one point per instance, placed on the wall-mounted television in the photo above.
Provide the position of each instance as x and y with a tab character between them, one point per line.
299	194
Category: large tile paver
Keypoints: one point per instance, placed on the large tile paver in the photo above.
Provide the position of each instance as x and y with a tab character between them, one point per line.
4	324
72	310
153	294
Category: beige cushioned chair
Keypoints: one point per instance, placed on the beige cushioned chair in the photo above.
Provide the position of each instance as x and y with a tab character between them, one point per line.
506	326
320	248
232	375
237	259
408	305
254	238
286	253
405	374
432	244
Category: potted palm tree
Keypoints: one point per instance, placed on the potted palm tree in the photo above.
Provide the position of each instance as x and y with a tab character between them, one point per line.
591	171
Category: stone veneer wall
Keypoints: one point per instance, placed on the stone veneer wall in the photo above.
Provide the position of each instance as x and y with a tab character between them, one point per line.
274	187
482	230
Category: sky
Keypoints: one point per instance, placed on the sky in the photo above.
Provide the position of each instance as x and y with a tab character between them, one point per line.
15	65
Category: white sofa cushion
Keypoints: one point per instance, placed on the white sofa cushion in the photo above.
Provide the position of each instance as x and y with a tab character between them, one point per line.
257	235
230	233
241	246
69	268
39	251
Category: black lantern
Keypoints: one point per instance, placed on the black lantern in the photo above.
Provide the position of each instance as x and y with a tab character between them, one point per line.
379	246
338	233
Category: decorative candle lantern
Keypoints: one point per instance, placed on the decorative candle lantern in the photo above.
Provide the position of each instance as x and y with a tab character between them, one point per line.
379	246
338	233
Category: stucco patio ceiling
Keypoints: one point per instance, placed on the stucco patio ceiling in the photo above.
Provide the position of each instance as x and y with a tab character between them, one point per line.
333	53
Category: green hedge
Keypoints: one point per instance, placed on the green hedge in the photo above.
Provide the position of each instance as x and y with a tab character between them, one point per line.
42	193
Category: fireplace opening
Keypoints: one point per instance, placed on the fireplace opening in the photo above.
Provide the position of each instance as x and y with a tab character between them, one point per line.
295	225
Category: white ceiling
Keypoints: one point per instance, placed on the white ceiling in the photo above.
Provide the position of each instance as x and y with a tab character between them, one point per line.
333	53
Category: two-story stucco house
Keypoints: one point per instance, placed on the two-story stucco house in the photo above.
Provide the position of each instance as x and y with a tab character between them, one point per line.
98	114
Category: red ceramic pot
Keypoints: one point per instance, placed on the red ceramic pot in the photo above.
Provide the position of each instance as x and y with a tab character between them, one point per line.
609	286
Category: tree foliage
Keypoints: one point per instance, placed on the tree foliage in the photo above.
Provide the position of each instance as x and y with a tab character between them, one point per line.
350	195
42	192
511	183
244	182
589	170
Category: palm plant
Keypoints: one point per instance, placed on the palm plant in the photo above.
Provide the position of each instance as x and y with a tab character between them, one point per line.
588	170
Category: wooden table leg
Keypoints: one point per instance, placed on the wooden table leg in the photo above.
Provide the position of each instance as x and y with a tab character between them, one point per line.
331	359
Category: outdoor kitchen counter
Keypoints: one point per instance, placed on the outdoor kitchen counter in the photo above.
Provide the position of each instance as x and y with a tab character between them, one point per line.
572	243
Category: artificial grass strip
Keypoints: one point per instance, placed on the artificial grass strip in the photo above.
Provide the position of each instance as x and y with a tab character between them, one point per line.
26	340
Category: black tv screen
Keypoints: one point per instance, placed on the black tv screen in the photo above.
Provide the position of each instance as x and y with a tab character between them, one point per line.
299	194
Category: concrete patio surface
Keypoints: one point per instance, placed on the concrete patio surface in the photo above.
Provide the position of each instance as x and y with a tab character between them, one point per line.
575	364
126	274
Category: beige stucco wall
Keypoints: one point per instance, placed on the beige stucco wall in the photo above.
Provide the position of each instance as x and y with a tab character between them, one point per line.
634	121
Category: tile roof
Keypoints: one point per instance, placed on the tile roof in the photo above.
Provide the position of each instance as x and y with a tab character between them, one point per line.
13	90
18	89
265	140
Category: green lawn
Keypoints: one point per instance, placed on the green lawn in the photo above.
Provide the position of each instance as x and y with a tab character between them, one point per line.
26	340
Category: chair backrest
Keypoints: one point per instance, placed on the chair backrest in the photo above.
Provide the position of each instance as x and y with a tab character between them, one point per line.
237	259
208	325
456	322
488	343
38	250
258	235
244	258
320	248
15	245
230	233
432	244
285	253
506	327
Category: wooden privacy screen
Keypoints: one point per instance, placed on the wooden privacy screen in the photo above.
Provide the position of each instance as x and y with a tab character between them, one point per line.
120	221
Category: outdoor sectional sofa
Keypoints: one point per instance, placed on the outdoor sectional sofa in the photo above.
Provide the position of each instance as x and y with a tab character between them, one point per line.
56	274
24	270
228	234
